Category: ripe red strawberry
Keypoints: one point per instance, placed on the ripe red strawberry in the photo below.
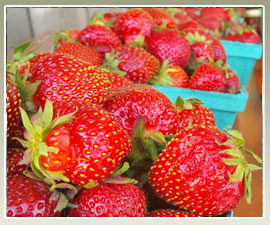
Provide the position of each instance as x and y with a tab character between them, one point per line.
81	52
218	51
27	197
128	104
19	133
181	18
14	156
232	83
137	64
192	112
79	140
118	82
193	12
245	36
169	213
110	200
29	67
13	104
222	13
66	78
169	45
203	170
99	37
134	25
213	25
201	51
190	24
208	77
163	19
171	75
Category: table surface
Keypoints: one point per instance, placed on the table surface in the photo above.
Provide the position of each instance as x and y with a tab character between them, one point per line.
248	122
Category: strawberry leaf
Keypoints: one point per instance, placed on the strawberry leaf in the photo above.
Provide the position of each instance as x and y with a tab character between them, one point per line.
122	170
158	137
47	114
232	152
120	180
91	184
27	123
258	159
254	167
44	149
248	193
61	203
19	50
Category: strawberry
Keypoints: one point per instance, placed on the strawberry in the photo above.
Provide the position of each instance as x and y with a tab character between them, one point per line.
105	18
135	63
171	75
193	12
27	197
28	67
134	25
118	82
208	77
13	104
110	200
245	35
201	50
169	213
218	51
67	78
19	133
203	170
169	45
14	156
65	36
81	52
140	99
195	32
163	19
77	142
192	112
222	13
213	25
181	18
232	83
99	37
190	24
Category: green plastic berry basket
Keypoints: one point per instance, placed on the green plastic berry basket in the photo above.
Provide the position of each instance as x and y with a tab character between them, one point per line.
242	58
223	105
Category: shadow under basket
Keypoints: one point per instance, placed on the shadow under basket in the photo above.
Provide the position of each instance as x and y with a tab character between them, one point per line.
242	58
223	105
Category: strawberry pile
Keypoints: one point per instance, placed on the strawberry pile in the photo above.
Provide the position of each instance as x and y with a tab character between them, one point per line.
87	136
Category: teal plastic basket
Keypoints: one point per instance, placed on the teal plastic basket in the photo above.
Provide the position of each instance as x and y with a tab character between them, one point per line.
223	105
242	58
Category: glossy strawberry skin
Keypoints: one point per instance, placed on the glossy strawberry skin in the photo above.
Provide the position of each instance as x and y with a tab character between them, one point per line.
98	143
32	62
201	50
133	24
219	12
100	38
208	77
14	156
110	200
65	78
198	116
80	52
179	76
118	82
169	213
29	198
128	104
19	133
219	52
245	37
140	66
212	24
169	45
162	18
190	24
13	112
190	173
232	83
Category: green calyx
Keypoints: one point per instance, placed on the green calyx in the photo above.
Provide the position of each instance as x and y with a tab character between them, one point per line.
162	78
65	37
192	38
139	42
243	168
111	64
37	130
187	103
19	58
